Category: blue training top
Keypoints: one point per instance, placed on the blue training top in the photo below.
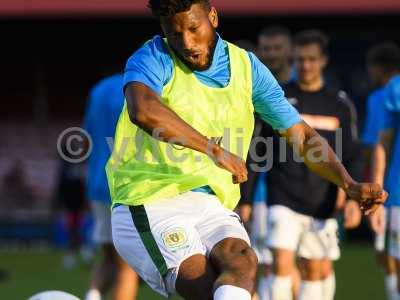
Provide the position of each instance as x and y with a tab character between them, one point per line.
374	117
105	103
392	121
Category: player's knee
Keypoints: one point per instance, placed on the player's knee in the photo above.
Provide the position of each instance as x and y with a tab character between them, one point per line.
283	262
249	261
311	270
243	261
195	278
326	269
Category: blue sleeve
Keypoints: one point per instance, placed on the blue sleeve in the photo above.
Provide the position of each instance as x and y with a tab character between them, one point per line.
269	99
90	113
374	120
392	104
392	99
150	65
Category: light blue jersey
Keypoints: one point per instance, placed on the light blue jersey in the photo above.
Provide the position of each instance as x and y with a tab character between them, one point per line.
392	121
105	104
374	117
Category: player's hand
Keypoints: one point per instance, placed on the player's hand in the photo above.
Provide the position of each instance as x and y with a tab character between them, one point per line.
368	195
378	220
352	214
230	162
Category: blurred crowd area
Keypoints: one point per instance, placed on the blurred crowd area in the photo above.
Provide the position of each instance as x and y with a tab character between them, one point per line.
48	68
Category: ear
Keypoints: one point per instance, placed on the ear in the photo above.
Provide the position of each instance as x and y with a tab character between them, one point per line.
213	17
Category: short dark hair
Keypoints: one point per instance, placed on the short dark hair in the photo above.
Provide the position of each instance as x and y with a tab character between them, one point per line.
167	8
312	36
386	54
276	30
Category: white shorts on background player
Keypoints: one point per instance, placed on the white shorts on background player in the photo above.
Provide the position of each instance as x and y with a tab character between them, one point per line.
102	222
390	240
310	238
381	239
258	232
160	235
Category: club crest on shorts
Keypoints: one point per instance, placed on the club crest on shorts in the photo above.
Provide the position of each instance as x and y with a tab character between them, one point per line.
175	238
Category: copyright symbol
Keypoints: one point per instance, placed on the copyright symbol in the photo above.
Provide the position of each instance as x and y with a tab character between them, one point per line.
74	145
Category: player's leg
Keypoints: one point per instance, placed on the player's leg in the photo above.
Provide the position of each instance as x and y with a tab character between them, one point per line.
328	279
393	253
284	231
236	264
126	282
258	236
391	276
317	249
103	274
387	262
318	279
105	271
228	248
74	237
196	278
296	282
161	243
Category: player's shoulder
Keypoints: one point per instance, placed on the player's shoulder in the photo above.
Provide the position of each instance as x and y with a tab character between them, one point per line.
113	81
393	86
392	94
154	49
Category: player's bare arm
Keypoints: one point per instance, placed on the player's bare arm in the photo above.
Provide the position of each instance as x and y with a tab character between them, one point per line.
306	140
149	113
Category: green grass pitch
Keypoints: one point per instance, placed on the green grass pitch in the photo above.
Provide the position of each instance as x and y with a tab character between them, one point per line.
31	271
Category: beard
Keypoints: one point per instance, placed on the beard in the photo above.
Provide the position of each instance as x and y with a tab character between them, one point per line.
209	57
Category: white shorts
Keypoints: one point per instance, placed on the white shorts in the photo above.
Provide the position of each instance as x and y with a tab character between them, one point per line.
102	222
381	244
311	238
155	238
258	233
394	232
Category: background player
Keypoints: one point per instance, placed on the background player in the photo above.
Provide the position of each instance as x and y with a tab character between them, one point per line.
274	49
104	107
297	219
384	69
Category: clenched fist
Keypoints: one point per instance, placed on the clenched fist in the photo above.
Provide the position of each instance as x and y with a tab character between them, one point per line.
368	195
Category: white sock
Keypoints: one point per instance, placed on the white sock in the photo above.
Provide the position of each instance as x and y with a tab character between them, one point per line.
262	289
329	287
280	287
391	287
93	294
230	292
311	290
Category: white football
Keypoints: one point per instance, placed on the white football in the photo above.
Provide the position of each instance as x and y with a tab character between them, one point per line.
53	295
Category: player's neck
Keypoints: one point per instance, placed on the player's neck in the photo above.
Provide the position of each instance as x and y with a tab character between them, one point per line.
284	75
312	86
